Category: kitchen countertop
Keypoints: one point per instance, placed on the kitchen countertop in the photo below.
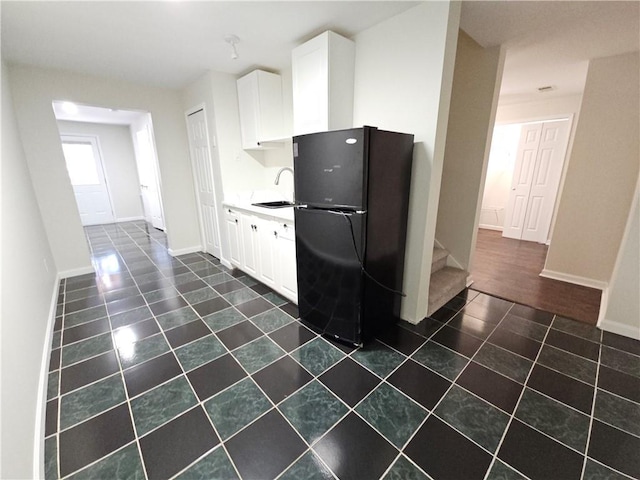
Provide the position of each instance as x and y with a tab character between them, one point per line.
278	214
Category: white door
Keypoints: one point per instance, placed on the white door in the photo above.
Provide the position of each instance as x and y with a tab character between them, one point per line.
537	173
148	175
203	174
86	173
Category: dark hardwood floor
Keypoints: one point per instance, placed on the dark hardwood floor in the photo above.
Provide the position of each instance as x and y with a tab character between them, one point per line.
510	269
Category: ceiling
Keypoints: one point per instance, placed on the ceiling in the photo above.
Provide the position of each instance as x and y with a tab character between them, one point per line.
172	43
549	43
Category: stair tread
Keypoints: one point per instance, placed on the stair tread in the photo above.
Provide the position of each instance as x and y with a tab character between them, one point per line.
439	254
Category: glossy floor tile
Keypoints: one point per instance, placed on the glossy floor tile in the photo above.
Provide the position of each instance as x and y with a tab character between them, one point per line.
177	367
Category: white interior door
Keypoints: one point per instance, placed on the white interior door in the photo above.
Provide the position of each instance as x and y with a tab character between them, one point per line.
199	146
147	173
521	183
538	168
86	173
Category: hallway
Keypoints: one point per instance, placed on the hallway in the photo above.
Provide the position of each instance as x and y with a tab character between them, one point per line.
509	269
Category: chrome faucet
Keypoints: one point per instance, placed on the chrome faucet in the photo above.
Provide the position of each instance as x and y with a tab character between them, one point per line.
280	172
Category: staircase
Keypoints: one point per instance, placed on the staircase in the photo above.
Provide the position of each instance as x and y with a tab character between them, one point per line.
446	282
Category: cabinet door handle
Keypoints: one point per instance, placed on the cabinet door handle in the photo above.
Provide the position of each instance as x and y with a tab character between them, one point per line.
275	234
236	220
229	210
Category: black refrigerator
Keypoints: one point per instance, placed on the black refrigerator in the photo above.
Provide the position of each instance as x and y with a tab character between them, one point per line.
351	202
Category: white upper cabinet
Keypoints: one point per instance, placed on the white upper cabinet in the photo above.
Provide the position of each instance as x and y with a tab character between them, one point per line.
323	76
260	105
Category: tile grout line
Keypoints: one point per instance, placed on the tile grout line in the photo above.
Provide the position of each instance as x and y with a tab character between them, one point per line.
593	411
515	409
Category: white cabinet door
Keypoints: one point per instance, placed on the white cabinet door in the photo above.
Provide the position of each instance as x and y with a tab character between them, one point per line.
267	241
286	257
260	107
235	239
322	81
249	244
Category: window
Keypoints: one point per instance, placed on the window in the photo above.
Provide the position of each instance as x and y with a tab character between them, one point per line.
81	163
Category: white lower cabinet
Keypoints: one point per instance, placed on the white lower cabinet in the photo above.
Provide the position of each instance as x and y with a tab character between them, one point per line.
235	236
265	248
287	281
267	240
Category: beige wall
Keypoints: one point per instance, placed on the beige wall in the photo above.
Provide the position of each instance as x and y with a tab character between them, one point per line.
34	89
119	161
476	84
27	299
601	175
622	310
403	73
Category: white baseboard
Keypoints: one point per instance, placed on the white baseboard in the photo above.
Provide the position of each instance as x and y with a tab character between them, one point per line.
469	280
184	251
486	226
620	328
41	404
128	219
76	271
575	279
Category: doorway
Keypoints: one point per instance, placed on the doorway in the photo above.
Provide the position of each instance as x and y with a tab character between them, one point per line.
129	167
525	166
86	172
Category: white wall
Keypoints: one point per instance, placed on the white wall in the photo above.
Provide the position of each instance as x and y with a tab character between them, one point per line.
476	82
34	89
497	185
540	110
119	161
622	312
403	76
27	298
601	175
277	158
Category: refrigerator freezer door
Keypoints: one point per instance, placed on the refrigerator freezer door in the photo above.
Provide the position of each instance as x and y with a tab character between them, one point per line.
330	281
330	170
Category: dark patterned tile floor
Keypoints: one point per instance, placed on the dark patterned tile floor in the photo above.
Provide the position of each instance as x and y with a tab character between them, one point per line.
166	367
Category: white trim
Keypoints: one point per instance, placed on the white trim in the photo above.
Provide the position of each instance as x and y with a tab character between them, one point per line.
74	272
43	384
611	325
469	280
184	251
486	226
619	328
575	279
227	263
129	219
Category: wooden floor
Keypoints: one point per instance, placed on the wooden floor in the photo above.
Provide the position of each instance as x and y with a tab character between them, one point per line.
510	269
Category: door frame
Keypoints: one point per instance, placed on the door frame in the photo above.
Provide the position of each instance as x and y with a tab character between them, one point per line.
215	170
95	142
558	194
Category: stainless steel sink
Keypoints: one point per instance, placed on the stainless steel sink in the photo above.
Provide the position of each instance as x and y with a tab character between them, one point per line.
276	204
